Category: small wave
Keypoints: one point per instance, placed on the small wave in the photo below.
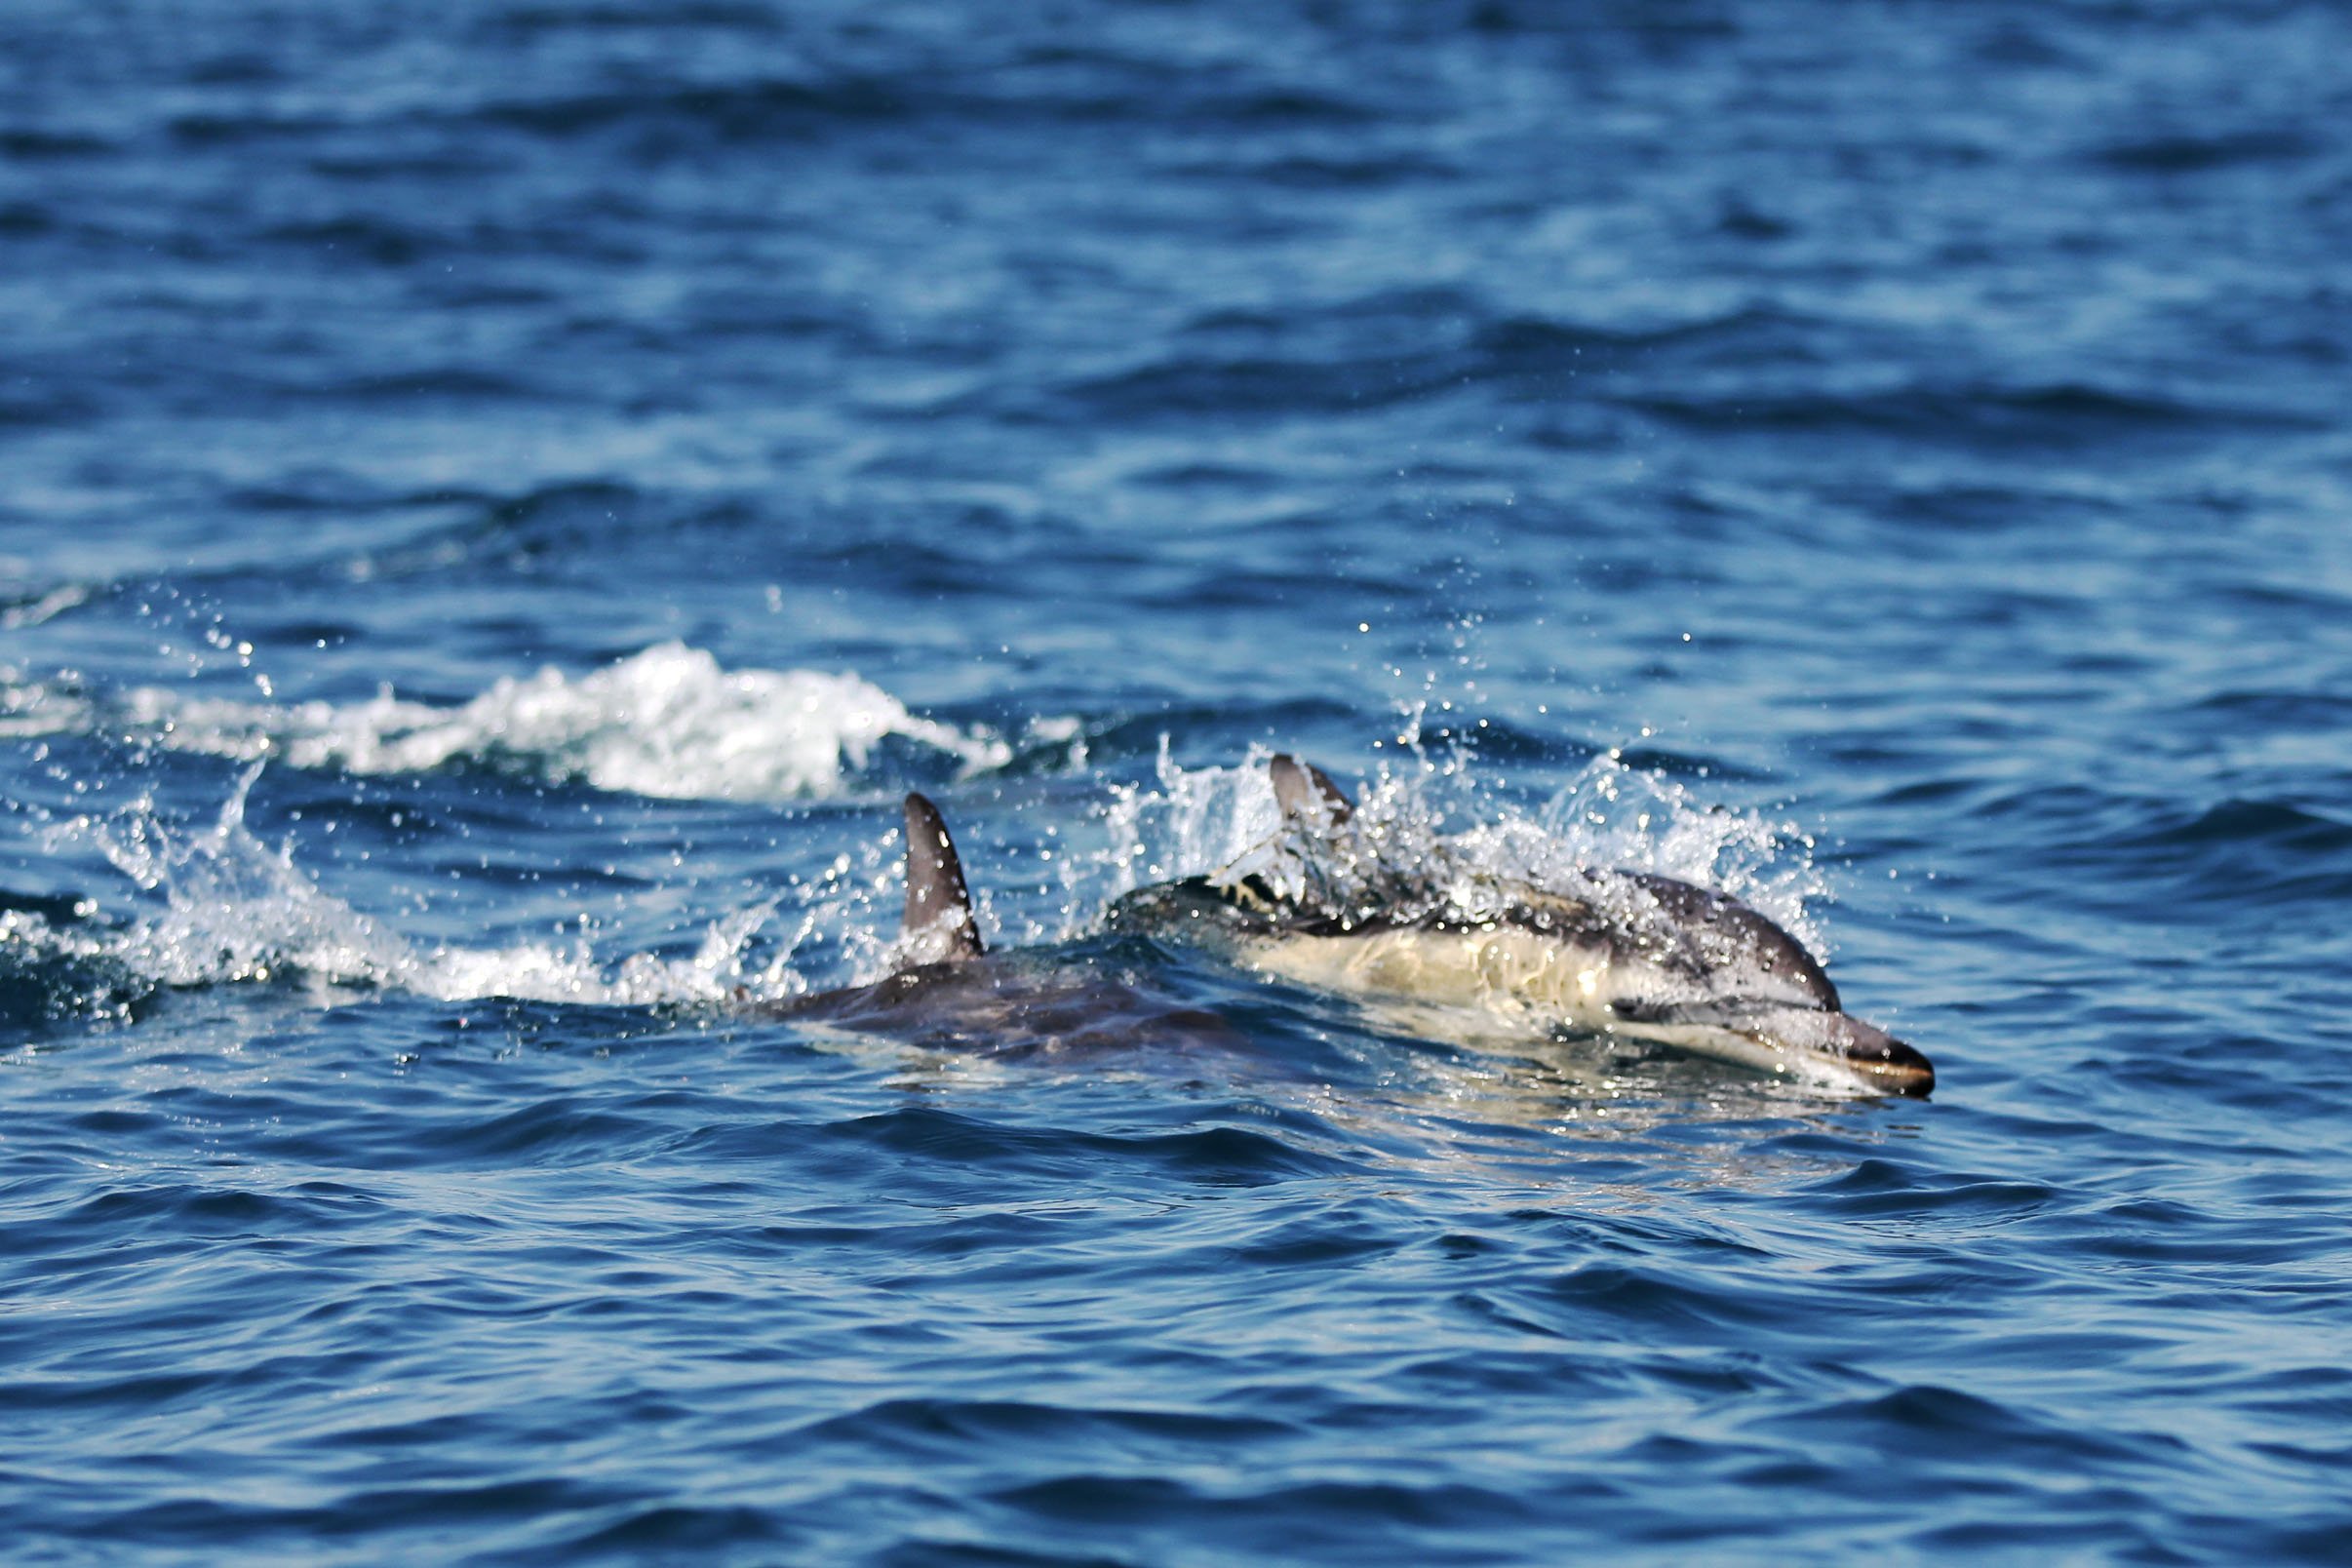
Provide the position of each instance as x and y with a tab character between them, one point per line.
2275	824
46	605
824	101
234	910
2042	415
663	1529
1530	344
762	109
1209	384
30	143
667	723
21	218
2194	154
2247	852
1217	1157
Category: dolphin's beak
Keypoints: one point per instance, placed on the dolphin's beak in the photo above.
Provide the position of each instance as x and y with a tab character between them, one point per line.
1877	1056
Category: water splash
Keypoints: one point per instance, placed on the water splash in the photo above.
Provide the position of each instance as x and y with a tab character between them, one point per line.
1644	819
236	909
1204	822
669	723
233	909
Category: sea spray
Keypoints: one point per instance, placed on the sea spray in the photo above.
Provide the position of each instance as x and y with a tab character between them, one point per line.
667	722
234	909
1439	817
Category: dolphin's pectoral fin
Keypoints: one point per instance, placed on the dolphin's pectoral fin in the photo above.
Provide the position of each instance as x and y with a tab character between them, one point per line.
1301	789
939	925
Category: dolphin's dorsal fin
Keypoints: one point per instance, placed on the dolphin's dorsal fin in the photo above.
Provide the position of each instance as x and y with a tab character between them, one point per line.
939	926
1301	789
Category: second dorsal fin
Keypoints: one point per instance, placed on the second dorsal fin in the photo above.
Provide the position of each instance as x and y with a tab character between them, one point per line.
1301	789
939	927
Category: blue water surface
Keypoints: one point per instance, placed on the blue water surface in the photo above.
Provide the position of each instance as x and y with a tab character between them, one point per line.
499	498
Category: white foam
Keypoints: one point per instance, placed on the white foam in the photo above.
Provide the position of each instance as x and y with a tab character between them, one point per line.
236	909
668	721
32	707
45	607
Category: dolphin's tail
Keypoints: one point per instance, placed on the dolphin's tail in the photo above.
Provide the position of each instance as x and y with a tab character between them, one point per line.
939	925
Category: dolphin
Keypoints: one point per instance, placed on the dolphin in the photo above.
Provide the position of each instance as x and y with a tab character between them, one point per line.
1612	952
947	989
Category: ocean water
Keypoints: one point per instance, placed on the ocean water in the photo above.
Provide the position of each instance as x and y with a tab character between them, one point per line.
498	499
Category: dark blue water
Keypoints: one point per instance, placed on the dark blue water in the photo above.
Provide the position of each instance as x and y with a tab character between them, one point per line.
498	499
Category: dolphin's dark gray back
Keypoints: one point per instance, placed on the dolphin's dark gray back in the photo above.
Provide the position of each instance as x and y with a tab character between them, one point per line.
939	925
1724	931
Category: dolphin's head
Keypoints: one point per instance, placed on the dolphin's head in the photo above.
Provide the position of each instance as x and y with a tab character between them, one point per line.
1881	1058
1767	988
1780	1036
1843	1042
